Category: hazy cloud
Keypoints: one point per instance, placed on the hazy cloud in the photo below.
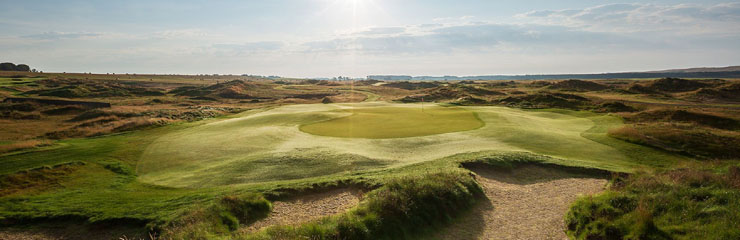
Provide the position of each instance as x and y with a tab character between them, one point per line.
382	31
60	35
476	37
180	33
683	18
247	48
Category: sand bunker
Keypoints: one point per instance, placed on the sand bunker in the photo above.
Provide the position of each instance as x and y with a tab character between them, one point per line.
529	202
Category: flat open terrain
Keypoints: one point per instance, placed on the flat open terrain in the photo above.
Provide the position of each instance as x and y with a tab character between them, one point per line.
268	145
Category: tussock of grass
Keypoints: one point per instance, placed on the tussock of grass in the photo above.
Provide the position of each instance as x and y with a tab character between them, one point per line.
35	179
402	208
689	203
219	218
690	139
684	116
4	148
106	125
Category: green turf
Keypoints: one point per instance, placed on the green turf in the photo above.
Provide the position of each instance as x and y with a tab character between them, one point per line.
263	146
10	82
395	122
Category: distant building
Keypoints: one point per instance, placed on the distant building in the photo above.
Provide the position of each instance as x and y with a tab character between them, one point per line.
389	77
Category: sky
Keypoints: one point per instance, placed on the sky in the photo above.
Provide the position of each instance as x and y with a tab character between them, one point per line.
327	38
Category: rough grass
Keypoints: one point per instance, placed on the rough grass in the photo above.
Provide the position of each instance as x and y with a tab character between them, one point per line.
219	218
690	139
36	179
403	208
688	203
395	122
15	146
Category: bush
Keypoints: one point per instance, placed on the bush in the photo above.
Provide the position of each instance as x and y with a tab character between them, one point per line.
12	67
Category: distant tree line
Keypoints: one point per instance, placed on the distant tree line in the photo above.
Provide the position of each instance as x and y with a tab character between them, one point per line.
6	66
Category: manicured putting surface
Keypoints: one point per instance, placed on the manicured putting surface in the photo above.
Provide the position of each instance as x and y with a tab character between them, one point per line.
395	122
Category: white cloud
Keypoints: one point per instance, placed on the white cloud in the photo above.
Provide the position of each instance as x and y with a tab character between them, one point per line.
61	35
373	31
245	48
181	33
680	18
475	37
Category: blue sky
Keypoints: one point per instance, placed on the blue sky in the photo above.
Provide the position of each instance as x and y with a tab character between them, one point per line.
312	38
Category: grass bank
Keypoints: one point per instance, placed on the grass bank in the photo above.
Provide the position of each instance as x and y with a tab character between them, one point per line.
700	202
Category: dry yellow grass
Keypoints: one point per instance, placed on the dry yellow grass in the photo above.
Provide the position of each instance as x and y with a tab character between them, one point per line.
23	145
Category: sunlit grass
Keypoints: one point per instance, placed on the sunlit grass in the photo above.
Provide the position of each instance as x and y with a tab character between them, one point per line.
395	122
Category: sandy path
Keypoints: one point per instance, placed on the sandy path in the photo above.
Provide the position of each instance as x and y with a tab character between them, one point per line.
308	207
529	202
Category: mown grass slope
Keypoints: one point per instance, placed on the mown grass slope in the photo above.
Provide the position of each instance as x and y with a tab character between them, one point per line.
268	145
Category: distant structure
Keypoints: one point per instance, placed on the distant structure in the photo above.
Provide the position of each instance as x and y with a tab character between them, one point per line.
720	72
389	77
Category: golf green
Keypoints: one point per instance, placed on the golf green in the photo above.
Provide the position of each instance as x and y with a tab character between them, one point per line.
395	122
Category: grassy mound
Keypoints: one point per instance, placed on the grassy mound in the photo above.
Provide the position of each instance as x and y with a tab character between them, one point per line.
689	139
93	89
678	204
672	85
615	107
412	85
452	92
547	100
219	218
404	207
729	92
672	115
578	85
396	122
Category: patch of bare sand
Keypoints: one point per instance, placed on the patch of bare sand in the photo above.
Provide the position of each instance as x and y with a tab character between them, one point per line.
528	202
19	235
308	207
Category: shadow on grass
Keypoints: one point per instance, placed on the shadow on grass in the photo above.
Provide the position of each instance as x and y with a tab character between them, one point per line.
532	173
473	220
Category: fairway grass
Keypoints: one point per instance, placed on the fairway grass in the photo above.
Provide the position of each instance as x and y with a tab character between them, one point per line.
395	122
268	145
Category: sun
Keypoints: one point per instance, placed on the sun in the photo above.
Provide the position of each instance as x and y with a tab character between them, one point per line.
356	12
